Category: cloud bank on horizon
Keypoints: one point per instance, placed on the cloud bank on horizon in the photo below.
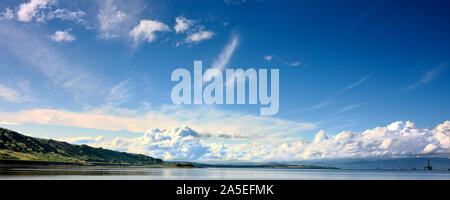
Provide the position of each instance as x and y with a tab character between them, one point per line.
396	140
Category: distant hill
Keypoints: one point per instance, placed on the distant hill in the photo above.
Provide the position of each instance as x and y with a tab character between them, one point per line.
398	163
438	163
15	146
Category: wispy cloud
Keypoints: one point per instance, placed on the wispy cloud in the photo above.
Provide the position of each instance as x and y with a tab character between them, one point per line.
10	95
116	18
319	105
235	2
224	57
82	139
428	76
294	64
365	14
227	52
268	57
207	120
354	84
348	108
40	55
8	14
330	100
118	94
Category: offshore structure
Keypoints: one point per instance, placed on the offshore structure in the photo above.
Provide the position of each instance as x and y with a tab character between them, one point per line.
428	167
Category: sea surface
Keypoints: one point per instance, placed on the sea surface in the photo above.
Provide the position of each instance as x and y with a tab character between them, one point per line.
219	174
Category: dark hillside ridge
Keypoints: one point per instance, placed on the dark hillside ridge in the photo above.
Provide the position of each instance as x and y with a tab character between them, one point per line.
15	146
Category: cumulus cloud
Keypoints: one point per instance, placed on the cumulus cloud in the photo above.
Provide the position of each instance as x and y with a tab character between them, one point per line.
182	24
41	10
181	143
33	8
398	139
146	30
63	36
198	36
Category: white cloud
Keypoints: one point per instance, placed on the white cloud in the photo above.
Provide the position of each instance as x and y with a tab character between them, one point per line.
118	94
182	24
268	57
295	64
235	2
63	36
110	20
7	14
40	10
211	122
428	76
7	123
116	18
399	139
33	8
82	139
181	143
40	55
10	95
225	55
198	36
354	84
330	100
347	108
65	14
146	30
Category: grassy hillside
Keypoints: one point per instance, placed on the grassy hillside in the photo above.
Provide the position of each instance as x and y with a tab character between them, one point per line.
15	146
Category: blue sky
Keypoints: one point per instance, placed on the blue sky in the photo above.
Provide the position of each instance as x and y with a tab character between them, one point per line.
102	68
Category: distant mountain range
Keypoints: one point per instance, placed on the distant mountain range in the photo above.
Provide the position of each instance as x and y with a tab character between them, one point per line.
15	146
418	163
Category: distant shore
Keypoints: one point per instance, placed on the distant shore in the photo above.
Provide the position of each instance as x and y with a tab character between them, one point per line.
65	165
52	164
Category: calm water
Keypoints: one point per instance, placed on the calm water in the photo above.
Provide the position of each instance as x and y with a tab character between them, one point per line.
219	173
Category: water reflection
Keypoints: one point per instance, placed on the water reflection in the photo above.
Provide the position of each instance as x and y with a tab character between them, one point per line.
218	173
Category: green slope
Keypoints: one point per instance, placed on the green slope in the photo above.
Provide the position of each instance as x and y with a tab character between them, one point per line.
15	146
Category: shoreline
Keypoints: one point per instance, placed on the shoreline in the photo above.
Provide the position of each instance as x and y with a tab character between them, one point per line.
5	164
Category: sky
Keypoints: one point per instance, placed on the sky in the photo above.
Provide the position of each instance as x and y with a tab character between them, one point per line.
358	79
